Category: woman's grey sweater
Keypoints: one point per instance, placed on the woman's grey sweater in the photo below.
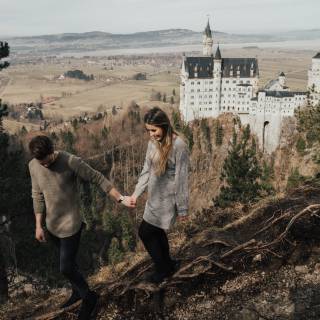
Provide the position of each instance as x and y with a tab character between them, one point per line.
168	194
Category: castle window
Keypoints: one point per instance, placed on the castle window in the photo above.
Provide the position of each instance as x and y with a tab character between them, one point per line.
192	103
198	90
192	82
227	81
198	82
192	90
211	82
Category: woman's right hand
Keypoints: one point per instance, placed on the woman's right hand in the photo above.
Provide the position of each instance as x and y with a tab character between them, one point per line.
133	200
128	202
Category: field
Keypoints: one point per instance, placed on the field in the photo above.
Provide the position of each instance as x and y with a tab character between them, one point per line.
67	98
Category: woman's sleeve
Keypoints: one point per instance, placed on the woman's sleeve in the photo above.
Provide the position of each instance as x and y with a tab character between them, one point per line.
144	175
181	180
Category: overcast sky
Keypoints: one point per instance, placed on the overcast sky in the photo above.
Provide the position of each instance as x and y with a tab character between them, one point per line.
35	17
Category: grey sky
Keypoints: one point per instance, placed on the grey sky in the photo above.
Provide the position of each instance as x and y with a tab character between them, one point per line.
34	17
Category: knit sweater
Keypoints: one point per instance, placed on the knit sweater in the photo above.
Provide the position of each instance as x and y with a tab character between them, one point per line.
55	192
168	194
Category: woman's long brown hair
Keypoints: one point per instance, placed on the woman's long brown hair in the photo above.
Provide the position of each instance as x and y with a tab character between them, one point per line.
159	118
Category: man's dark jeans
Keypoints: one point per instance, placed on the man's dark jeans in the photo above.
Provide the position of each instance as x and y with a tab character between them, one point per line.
68	249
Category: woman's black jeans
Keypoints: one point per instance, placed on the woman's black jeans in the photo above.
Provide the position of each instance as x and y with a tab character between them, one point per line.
68	249
156	243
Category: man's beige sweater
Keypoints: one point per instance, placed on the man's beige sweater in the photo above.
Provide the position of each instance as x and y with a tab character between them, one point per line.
54	191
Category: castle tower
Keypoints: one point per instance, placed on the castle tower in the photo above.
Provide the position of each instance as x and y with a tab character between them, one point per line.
314	80
314	75
282	79
207	41
217	79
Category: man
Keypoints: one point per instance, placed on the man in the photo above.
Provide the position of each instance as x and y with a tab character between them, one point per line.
54	190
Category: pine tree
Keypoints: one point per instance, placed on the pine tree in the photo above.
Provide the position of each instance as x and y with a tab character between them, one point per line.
206	133
219	134
164	97
69	140
240	172
4	143
3	113
4	53
115	255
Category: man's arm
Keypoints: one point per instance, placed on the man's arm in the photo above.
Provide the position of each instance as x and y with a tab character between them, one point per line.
38	206
87	173
39	230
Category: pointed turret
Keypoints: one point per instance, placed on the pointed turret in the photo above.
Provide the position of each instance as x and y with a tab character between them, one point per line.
207	40
317	56
218	54
207	31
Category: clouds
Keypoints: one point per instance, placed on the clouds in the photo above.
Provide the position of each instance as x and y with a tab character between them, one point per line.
126	16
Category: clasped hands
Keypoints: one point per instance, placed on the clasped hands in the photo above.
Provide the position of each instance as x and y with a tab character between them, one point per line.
129	201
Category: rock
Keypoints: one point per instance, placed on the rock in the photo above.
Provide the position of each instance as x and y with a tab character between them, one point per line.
317	268
257	258
247	314
219	298
301	269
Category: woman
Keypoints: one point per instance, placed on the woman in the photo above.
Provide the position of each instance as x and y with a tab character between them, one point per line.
165	173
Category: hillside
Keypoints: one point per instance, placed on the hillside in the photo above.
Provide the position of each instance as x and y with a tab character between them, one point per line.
263	265
97	40
255	260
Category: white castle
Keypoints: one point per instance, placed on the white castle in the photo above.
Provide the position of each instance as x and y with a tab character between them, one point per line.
212	85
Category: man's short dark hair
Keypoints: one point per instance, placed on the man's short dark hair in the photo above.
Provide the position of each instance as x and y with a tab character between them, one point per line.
40	147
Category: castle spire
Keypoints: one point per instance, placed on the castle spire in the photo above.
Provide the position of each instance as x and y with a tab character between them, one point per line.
207	30
207	40
218	54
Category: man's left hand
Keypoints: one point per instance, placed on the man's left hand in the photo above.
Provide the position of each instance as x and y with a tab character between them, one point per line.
127	201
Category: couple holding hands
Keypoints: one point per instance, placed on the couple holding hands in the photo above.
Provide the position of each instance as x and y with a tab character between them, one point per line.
54	191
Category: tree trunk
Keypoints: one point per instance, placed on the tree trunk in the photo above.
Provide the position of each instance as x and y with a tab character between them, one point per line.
4	294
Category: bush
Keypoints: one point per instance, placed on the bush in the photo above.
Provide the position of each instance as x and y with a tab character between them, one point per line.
140	76
295	179
301	145
78	74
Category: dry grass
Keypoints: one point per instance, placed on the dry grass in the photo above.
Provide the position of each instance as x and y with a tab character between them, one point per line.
29	82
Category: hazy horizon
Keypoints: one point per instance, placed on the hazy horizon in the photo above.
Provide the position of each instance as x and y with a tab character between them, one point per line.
37	17
154	30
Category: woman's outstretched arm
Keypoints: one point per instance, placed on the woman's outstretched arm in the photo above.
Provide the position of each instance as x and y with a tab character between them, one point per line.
144	175
182	180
